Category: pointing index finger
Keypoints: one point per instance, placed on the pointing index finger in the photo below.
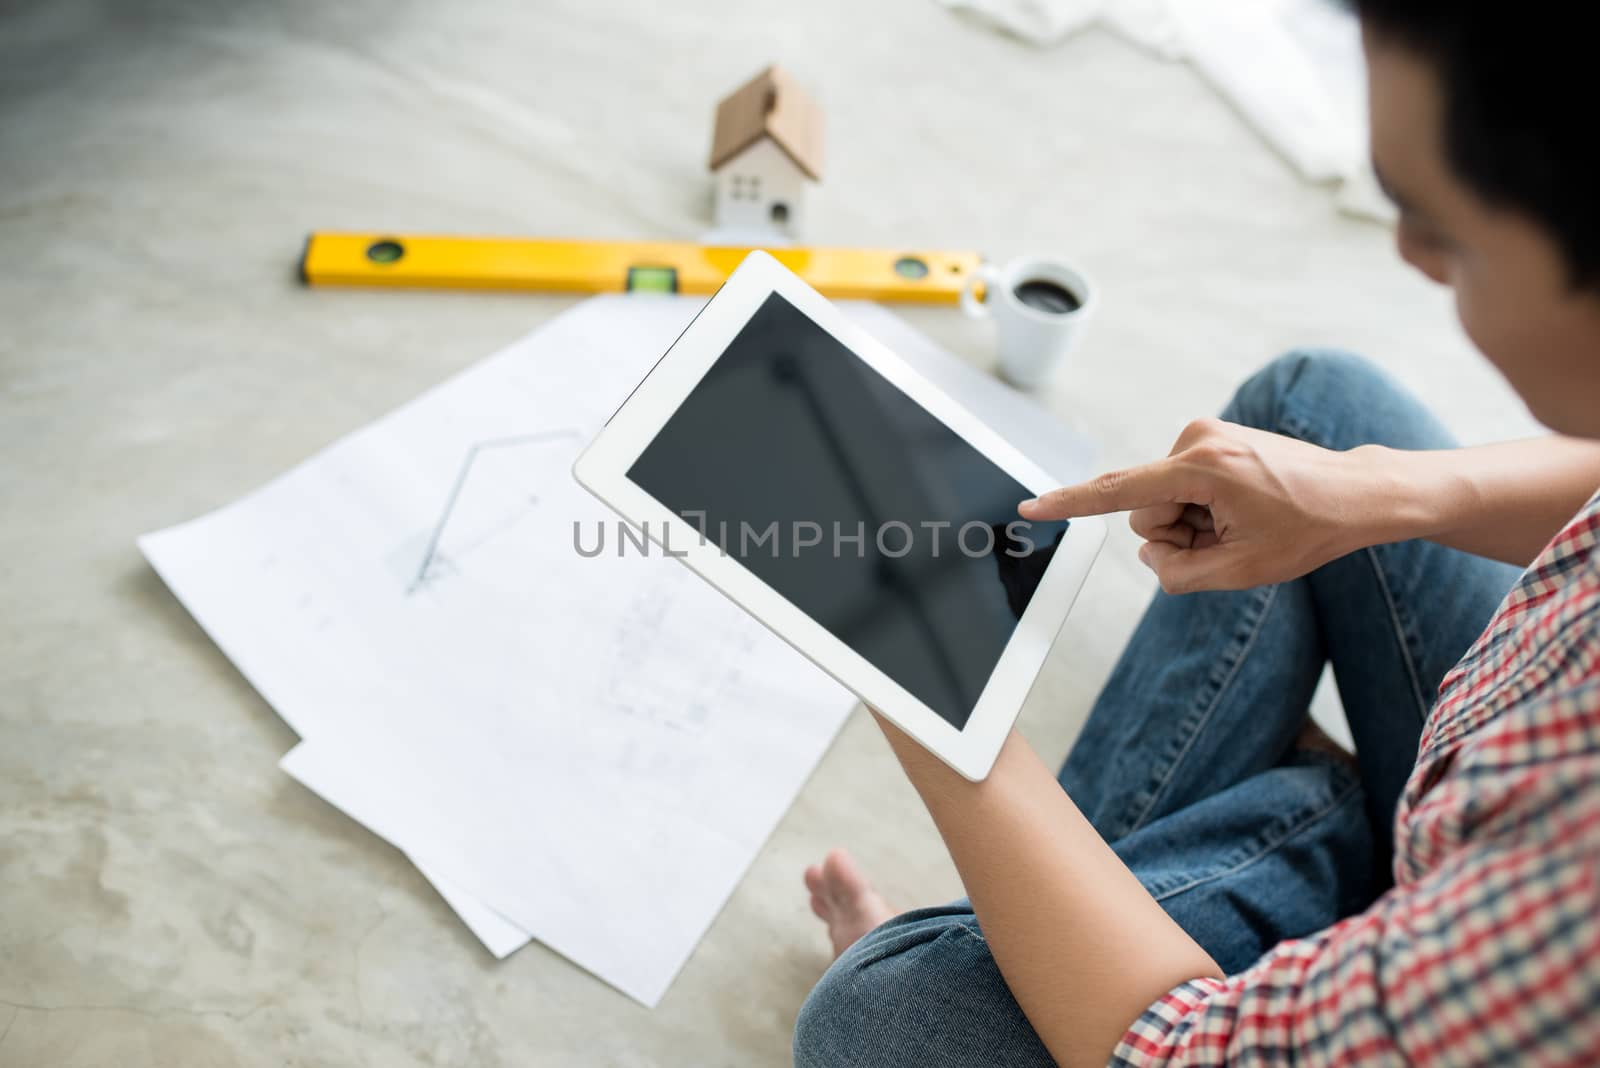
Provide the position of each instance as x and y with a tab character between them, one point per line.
1161	482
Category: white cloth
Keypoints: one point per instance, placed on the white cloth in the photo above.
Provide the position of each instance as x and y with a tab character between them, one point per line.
1292	68
1147	23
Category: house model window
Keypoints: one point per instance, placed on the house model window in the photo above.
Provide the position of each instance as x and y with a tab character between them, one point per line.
766	153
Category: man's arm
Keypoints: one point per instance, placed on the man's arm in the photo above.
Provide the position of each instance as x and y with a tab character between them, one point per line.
1234	507
1502	501
1083	947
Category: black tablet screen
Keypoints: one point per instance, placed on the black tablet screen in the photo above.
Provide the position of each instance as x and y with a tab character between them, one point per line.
845	496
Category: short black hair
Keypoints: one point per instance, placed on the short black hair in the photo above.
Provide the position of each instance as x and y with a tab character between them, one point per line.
1519	109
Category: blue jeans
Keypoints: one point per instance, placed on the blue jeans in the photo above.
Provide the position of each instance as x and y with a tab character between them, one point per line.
1188	767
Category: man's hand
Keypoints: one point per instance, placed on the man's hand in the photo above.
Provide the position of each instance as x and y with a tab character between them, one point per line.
1232	507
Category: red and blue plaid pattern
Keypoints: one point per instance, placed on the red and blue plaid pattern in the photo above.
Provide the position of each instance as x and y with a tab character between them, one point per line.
1487	949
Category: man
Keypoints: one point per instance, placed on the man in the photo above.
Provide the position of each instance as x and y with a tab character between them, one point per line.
1208	881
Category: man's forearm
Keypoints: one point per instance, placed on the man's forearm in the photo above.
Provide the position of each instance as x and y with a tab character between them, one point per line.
1503	501
1083	947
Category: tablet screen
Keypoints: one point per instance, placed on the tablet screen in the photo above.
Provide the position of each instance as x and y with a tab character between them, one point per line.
849	499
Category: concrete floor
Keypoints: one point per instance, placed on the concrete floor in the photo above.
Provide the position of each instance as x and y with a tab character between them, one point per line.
167	896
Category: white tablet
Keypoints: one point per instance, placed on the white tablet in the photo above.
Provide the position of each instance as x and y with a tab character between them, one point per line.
864	516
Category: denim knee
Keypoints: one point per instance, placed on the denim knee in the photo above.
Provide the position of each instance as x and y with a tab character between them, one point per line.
922	991
1335	399
1260	401
847	1018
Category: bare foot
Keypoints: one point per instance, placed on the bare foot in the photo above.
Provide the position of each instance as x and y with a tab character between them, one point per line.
844	900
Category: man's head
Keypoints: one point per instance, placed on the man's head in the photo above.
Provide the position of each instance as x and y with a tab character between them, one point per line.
1482	130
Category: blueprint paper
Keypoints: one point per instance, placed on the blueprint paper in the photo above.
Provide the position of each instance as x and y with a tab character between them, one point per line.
412	593
589	752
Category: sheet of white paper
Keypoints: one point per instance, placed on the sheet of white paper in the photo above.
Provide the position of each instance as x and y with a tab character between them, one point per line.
590	751
499	935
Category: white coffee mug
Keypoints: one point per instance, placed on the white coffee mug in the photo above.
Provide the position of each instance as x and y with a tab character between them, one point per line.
1039	306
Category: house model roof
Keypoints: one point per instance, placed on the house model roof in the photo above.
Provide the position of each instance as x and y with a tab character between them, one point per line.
769	105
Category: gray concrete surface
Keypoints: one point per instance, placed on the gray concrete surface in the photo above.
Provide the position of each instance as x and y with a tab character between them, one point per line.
167	897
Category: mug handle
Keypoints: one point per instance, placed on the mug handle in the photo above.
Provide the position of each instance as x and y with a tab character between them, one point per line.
990	277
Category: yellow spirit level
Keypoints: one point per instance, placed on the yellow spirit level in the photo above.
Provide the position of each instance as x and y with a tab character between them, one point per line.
345	259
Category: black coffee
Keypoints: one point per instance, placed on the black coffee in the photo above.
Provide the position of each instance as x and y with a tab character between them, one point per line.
1048	297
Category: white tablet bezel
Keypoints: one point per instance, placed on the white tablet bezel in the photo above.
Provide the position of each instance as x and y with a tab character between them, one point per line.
603	466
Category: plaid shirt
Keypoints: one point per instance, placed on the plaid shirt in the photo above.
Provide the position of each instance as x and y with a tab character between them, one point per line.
1487	949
